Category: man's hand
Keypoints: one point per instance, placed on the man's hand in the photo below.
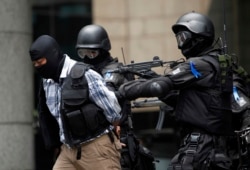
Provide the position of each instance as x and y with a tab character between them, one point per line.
118	131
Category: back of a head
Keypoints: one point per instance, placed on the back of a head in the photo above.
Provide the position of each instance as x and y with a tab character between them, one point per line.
46	46
93	37
194	33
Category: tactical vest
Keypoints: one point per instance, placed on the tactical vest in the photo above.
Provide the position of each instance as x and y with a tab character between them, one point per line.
209	109
81	118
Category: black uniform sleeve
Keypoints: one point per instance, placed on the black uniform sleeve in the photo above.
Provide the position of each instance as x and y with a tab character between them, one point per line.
156	87
194	71
48	124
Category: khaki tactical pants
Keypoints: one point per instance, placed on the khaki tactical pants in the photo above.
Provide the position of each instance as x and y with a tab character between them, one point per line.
100	154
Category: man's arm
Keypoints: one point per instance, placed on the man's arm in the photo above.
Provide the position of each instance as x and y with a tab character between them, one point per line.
103	97
180	77
156	87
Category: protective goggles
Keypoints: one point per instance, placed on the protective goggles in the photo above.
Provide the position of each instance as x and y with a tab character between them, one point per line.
183	38
90	53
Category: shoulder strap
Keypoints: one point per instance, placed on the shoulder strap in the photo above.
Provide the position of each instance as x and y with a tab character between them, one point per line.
75	86
77	74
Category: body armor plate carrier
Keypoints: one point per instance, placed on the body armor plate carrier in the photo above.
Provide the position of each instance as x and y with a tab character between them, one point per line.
81	118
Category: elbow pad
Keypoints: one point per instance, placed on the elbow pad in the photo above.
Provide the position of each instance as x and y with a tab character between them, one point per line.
156	88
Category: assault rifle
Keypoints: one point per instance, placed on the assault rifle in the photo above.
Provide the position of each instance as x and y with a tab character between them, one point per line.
243	138
143	69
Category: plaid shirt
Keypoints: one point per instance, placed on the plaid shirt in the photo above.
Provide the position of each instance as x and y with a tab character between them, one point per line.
98	93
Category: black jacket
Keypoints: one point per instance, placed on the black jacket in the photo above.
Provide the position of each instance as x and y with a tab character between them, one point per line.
48	124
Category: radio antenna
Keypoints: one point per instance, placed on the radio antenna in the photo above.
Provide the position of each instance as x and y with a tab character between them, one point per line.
224	28
123	56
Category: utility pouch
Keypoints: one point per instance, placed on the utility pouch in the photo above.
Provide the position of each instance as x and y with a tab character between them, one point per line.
74	96
95	120
76	123
226	73
135	156
146	159
219	160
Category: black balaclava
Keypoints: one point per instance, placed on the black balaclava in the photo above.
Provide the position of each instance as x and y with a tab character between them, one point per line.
100	61
46	46
195	47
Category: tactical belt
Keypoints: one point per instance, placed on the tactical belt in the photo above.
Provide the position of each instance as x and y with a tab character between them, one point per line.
79	150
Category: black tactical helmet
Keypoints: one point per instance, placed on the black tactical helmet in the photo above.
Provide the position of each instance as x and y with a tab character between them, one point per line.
196	23
93	36
194	34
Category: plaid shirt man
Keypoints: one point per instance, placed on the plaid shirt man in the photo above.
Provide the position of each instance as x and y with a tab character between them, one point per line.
98	93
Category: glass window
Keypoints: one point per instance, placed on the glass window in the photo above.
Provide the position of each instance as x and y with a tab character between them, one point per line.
63	21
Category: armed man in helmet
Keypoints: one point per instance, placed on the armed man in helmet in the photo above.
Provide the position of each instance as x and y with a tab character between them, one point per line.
203	108
93	46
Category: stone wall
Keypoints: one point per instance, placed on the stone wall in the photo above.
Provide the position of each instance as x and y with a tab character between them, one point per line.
143	27
16	86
